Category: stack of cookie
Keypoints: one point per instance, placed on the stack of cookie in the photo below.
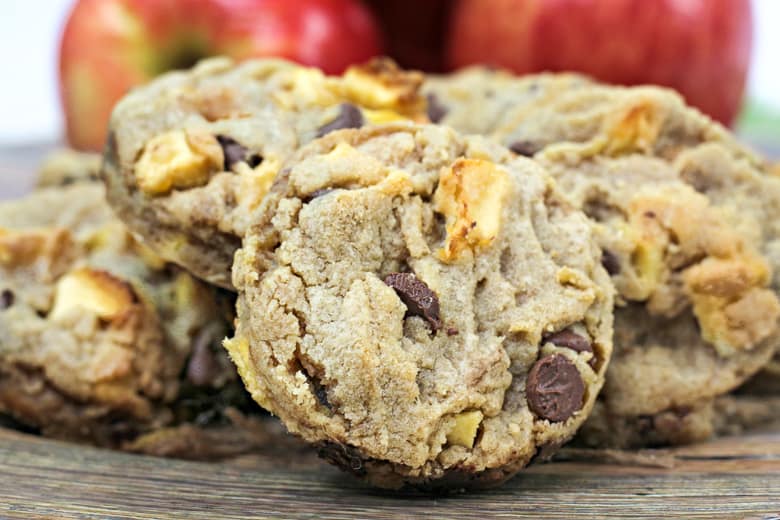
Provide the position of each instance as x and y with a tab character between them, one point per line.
438	280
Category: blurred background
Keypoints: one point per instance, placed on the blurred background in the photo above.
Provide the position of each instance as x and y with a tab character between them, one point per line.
30	37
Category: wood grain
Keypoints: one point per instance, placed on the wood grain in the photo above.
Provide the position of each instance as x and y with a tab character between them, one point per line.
729	478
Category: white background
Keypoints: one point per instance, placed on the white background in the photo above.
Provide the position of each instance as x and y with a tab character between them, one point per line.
29	37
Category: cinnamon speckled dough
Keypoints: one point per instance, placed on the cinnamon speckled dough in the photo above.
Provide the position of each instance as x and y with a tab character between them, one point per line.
100	340
191	155
420	378
681	210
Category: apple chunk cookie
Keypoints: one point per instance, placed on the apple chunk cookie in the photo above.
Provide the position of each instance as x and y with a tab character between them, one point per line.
435	314
100	340
191	155
689	222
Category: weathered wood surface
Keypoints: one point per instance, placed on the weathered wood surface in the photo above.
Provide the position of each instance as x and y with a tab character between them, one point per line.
728	478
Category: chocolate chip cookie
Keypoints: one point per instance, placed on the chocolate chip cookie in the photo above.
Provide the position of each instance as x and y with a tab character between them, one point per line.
66	166
191	155
434	312
100	340
529	113
696	314
684	216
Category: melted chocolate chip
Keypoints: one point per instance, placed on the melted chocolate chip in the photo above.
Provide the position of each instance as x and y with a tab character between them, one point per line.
322	394
610	262
452	331
699	180
524	148
554	388
254	160
202	367
436	110
568	339
7	298
419	299
235	152
349	117
111	150
317	194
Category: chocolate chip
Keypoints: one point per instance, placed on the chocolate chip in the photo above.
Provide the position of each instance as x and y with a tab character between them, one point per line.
235	152
554	388
452	331
254	160
317	194
419	299
322	394
699	180
111	150
610	262
202	367
436	110
524	148
7	298
568	339
344	456
349	116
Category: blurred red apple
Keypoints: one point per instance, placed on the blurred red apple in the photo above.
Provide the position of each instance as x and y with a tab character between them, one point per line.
414	31
108	46
699	47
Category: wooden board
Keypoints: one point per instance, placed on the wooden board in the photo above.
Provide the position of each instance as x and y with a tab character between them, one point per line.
728	478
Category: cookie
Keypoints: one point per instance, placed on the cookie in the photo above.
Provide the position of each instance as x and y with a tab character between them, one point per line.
191	155
483	101
725	415
434	314
745	186
100	340
67	166
741	413
688	424
666	188
696	314
532	112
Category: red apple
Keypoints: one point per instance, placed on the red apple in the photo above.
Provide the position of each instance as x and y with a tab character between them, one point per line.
415	31
108	46
699	47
